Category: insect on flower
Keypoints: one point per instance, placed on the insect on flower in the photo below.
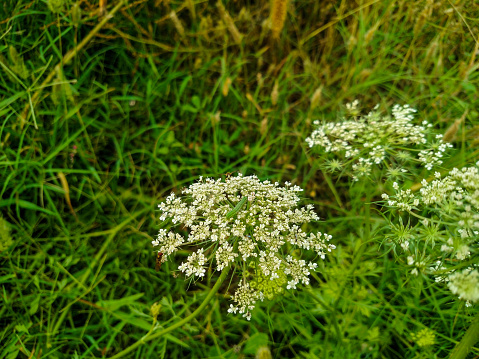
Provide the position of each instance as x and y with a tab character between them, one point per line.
159	261
229	174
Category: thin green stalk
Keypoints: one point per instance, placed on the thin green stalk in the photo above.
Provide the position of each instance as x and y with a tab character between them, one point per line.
332	188
367	222
182	322
467	342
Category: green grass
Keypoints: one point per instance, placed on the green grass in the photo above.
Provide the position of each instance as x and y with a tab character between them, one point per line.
140	111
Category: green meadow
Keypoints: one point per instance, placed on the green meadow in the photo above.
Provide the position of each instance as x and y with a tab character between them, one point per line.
106	108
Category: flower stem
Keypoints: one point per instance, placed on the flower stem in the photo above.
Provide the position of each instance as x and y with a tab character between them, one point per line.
150	336
367	222
468	340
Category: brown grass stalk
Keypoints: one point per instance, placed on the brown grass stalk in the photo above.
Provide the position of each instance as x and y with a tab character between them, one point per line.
225	16
278	16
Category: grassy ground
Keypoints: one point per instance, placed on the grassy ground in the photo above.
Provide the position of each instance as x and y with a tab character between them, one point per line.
92	140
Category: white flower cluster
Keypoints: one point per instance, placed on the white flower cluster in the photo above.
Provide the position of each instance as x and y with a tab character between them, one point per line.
444	225
245	298
242	220
465	284
366	141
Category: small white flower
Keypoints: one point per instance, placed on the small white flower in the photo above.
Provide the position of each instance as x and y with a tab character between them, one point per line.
245	298
194	264
291	284
446	248
463	252
405	245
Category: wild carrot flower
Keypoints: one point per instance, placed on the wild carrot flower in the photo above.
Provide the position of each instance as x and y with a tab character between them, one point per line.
245	223
364	142
442	231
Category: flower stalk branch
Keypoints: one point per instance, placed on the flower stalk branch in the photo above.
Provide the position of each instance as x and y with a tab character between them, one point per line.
206	301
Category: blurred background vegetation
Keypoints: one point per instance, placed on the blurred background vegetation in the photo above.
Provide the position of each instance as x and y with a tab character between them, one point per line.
105	108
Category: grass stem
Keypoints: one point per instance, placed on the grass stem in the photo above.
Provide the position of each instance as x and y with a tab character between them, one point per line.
149	337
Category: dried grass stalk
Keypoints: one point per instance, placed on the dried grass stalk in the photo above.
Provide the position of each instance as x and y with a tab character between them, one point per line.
179	27
278	16
229	22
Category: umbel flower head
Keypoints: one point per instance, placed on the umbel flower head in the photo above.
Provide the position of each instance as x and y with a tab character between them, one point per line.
359	143
443	229
247	223
424	337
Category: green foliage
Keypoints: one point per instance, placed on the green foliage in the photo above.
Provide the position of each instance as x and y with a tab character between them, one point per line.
143	109
57	6
5	237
